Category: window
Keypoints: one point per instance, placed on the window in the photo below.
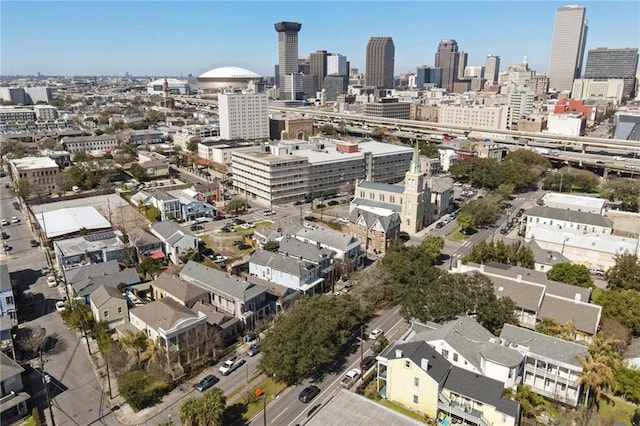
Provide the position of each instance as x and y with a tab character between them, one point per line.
415	399
9	300
445	353
416	381
407	364
119	309
105	314
455	357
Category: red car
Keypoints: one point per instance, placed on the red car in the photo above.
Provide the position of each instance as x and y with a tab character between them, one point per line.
239	221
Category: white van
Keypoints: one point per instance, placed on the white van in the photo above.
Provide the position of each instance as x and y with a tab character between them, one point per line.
200	220
75	188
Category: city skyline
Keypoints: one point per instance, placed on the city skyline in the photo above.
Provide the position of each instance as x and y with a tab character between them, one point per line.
171	38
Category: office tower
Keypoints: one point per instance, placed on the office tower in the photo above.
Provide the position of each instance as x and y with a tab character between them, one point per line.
567	47
243	115
604	64
379	62
520	106
335	85
491	69
447	60
337	64
462	64
318	67
473	71
428	76
287	54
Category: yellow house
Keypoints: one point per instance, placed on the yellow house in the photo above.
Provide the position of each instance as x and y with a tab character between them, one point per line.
415	376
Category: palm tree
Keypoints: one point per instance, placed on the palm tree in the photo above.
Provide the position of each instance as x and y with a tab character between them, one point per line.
465	220
188	412
136	343
212	407
599	367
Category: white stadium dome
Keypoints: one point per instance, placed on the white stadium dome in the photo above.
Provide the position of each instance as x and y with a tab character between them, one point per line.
222	78
176	87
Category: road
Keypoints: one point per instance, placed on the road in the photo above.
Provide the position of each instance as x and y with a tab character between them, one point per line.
76	394
288	410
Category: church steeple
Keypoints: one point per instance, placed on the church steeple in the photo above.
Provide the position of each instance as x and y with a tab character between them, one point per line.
415	161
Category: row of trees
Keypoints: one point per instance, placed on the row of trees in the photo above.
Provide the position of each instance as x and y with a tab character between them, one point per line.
569	180
480	212
626	191
516	254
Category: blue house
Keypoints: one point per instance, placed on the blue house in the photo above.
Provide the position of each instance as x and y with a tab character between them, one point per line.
192	209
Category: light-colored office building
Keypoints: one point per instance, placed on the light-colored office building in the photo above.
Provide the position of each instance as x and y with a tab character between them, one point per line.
292	170
45	112
243	115
520	106
567	47
10	114
90	143
40	172
388	108
336	64
586	88
571	124
483	117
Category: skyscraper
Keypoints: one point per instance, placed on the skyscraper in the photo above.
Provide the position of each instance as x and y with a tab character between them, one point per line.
567	47
603	63
336	64
318	67
379	62
492	69
287	54
447	59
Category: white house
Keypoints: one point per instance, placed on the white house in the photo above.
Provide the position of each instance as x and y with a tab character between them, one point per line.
175	239
293	272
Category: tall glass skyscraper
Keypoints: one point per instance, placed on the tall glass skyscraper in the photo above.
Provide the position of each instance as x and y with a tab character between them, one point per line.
567	47
287	55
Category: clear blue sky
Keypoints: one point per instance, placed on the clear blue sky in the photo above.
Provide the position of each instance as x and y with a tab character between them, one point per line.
176	38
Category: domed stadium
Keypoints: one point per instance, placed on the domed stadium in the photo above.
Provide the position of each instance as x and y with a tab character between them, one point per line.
226	78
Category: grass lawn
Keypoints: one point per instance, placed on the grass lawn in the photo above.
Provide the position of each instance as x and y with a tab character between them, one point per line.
268	386
616	409
456	235
401	409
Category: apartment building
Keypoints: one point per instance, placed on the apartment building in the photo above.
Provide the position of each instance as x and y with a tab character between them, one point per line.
40	172
243	115
482	117
90	143
388	108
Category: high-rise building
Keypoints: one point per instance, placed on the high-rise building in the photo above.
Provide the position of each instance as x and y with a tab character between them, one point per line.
335	85
379	62
287	54
604	64
337	64
520	105
492	69
428	76
567	47
447	59
318	67
462	64
243	115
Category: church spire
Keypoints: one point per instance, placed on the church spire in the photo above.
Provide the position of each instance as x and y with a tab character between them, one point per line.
415	161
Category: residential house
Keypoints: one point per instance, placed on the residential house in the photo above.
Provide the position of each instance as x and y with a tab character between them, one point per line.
13	399
182	333
84	288
146	244
109	305
191	209
154	169
537	297
206	192
544	260
417	377
275	232
170	284
7	299
279	298
168	206
348	248
223	324
230	294
89	249
551	367
144	137
84	273
292	272
441	197
323	257
175	239
6	337
377	227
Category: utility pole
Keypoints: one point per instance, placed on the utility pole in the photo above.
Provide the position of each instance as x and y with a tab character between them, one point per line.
361	342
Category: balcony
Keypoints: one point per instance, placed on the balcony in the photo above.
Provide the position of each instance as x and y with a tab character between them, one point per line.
465	413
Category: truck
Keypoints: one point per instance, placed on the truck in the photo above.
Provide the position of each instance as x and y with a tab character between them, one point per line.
350	378
230	365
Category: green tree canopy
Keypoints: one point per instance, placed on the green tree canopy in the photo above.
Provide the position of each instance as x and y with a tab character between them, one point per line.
272	245
625	190
628	384
484	211
24	189
625	273
309	337
489	173
568	179
623	305
571	273
235	205
517	253
137	171
328	129
528	157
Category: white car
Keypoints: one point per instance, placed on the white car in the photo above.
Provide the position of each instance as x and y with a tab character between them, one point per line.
5	222
51	281
15	220
59	306
375	334
269	213
45	270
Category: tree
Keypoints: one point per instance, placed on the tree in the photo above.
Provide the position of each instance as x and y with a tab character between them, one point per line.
136	388
377	133
570	273
484	211
137	171
235	205
517	253
623	305
188	412
506	189
465	219
431	248
24	189
272	245
33	339
328	129
625	190
149	267
309	337
625	273
628	383
212	406
599	366
493	316
619	333
528	157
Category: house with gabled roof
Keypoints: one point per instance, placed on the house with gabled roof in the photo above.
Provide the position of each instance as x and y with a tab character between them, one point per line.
228	293
287	271
184	334
109	305
537	297
170	284
85	288
375	226
13	398
8	302
420	379
168	206
175	239
348	248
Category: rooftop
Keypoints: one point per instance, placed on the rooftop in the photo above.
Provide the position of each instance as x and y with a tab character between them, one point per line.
70	220
216	281
229	72
570	216
33	163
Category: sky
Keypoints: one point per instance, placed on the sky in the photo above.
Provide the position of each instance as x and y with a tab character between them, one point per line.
177	38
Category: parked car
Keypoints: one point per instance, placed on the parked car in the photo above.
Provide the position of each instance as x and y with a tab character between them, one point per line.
45	270
440	224
59	306
375	334
343	220
310	218
366	363
308	393
350	378
15	220
268	213
5	222
230	365
243	246
333	203
51	281
206	383
239	222
7	247
34	243
253	349
5	236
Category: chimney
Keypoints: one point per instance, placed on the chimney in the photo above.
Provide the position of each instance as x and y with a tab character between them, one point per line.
519	278
482	268
399	353
577	298
549	255
424	364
